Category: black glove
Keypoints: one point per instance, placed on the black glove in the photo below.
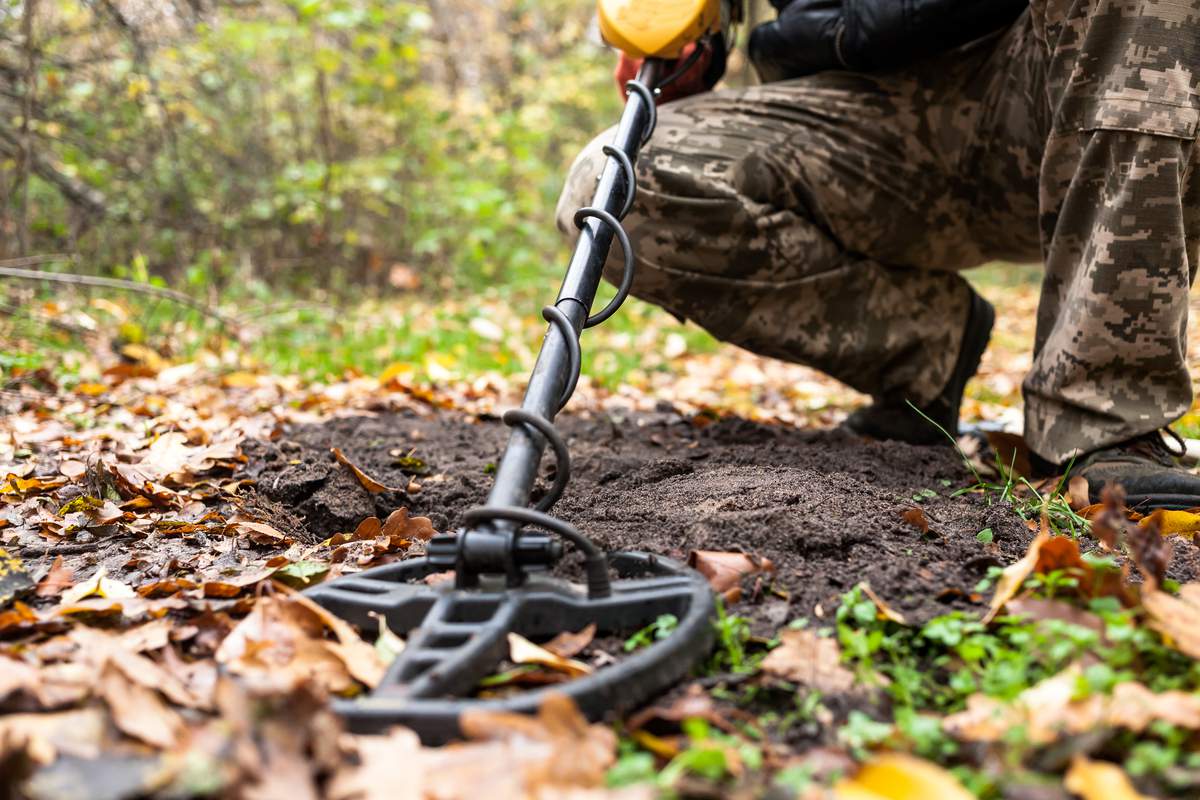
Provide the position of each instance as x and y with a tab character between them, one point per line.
805	38
870	35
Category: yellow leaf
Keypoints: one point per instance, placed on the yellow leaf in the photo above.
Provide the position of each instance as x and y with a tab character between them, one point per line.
1099	780
14	485
440	367
398	370
663	748
91	389
896	776
1180	523
144	355
98	586
240	380
138	85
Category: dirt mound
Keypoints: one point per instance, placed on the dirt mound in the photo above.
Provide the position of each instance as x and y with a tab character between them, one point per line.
824	506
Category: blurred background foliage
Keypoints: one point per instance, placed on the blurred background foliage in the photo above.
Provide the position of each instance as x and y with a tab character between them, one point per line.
338	187
296	144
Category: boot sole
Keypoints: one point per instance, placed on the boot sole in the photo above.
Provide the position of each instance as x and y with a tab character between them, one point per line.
1152	502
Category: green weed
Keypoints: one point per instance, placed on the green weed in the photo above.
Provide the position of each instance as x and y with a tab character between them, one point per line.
733	636
656	631
932	669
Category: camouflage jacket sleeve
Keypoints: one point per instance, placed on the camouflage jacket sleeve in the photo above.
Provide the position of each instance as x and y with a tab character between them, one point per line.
867	35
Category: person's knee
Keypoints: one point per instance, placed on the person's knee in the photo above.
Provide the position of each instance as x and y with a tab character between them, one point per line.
581	183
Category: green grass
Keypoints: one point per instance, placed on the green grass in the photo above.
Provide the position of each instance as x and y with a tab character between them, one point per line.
460	339
424	338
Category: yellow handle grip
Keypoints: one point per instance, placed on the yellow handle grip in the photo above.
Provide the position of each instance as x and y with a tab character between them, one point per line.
657	28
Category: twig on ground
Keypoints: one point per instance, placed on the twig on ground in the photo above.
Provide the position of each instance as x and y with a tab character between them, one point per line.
118	283
72	549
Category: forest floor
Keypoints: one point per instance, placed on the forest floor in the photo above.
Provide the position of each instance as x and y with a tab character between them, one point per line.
894	619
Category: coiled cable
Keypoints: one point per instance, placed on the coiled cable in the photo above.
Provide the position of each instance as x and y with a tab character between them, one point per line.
595	562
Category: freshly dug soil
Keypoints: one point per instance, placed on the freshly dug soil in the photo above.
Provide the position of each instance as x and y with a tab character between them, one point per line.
824	506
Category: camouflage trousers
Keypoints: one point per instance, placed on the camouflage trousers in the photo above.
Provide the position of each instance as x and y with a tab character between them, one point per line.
825	220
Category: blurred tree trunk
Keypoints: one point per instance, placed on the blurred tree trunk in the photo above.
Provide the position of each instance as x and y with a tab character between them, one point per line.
476	44
26	126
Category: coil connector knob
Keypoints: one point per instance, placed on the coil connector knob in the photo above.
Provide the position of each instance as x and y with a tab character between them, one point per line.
442	551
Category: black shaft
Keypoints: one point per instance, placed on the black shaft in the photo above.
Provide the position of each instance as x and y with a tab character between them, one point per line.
519	467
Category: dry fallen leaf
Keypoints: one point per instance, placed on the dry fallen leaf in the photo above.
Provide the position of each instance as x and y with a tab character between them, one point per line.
569	645
726	570
57	579
97	586
73	470
12	484
810	660
1134	707
375	776
896	776
43	737
138	711
581	753
694	703
523	651
1176	618
1011	450
1047	554
1050	709
917	518
259	532
885	611
1038	609
370	484
1099	780
554	756
1014	576
399	525
240	380
1044	710
282	643
1150	550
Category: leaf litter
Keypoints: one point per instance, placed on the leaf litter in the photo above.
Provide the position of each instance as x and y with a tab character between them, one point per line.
160	608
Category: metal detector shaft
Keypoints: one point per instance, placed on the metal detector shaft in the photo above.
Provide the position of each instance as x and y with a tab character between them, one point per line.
554	373
458	635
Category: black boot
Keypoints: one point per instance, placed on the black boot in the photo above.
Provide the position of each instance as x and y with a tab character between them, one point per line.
1145	467
894	418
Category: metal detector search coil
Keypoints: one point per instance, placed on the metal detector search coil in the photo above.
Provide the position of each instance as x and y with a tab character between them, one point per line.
458	634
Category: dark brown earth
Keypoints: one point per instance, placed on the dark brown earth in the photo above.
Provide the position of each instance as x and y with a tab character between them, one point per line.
824	506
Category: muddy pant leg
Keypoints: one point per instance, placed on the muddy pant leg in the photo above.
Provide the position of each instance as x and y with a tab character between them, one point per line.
741	225
1119	221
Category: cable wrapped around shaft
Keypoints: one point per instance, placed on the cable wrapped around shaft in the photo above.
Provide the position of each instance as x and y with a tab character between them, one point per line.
595	562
